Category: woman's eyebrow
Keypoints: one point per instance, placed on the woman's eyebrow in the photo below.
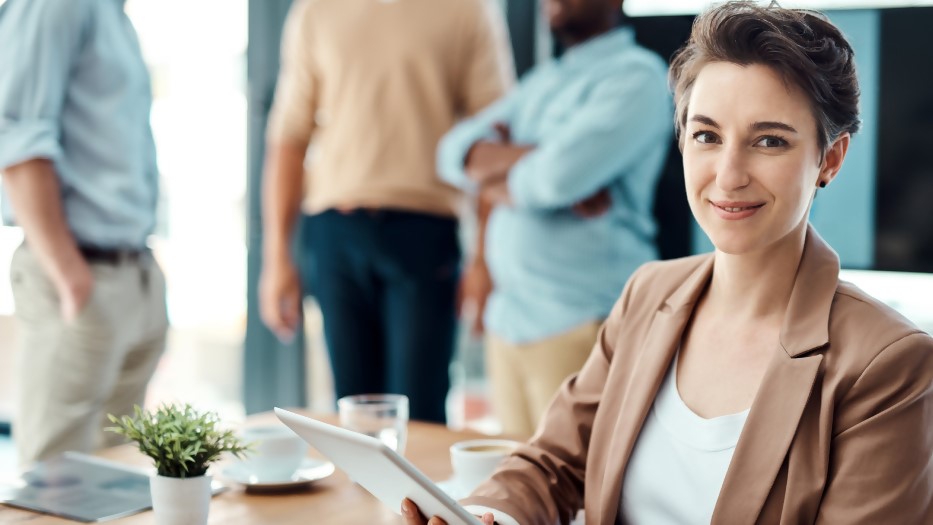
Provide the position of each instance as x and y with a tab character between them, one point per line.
703	119
766	125
771	125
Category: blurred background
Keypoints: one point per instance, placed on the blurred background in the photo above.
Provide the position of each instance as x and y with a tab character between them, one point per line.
213	65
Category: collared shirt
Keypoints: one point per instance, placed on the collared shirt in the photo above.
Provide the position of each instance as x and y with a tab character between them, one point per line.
375	106
600	117
75	90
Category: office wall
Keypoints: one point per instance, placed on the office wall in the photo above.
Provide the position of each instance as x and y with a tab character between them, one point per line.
844	213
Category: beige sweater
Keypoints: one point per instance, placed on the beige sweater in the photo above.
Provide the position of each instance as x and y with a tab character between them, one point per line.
374	84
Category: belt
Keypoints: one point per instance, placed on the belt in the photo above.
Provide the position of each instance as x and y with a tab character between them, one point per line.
367	210
382	213
113	256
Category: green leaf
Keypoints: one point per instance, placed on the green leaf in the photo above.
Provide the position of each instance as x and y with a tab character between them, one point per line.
181	441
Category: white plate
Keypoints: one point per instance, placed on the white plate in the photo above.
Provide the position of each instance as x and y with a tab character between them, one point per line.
311	470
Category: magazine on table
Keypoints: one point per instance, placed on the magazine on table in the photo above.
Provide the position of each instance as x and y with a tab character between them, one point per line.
81	487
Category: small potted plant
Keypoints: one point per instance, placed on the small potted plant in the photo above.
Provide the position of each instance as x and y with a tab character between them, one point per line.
182	443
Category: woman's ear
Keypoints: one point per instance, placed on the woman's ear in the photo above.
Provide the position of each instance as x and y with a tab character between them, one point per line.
832	160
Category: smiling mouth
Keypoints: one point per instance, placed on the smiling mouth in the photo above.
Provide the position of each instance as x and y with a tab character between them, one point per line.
737	209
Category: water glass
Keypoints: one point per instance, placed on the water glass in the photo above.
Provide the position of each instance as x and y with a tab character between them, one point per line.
382	416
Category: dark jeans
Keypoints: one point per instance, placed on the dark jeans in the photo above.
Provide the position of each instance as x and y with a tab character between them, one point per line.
386	283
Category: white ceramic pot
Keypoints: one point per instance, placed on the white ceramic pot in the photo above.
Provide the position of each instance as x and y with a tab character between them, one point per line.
180	501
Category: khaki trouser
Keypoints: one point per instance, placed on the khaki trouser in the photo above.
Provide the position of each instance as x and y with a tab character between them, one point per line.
71	375
524	377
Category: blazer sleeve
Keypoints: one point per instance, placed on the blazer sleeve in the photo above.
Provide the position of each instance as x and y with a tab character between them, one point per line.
881	462
542	482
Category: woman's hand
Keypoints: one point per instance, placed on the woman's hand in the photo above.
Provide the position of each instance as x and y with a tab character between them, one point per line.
413	516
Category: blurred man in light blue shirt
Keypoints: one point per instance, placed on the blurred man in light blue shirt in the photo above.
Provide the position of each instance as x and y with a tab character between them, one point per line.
568	162
80	177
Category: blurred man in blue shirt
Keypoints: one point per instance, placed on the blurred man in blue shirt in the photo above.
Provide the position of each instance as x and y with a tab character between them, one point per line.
80	177
567	163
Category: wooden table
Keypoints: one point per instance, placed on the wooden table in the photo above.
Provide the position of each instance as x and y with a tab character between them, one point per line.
332	501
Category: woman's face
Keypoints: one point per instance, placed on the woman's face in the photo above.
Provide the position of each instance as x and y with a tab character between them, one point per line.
752	157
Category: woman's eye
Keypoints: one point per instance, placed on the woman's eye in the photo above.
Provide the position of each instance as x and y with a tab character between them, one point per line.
705	137
772	142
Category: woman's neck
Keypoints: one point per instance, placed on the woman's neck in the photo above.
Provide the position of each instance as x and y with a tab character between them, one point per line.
756	286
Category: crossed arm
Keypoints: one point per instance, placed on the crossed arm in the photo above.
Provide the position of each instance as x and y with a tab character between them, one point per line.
488	164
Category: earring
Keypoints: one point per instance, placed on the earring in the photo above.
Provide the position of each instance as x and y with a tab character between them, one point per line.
822	183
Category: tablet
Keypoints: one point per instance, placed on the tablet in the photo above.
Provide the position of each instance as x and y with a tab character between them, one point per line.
377	468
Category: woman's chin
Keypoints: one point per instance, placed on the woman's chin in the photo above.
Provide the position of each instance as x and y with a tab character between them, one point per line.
735	244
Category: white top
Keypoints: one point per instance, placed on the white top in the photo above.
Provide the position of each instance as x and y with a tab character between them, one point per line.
677	466
678	463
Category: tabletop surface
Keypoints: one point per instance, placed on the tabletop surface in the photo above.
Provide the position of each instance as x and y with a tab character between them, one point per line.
331	501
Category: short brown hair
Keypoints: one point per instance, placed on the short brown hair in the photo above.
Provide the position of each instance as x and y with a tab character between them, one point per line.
802	46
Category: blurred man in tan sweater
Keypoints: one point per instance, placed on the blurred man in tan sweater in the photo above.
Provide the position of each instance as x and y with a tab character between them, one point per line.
374	85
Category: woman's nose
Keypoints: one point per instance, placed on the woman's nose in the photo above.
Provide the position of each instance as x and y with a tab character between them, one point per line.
732	169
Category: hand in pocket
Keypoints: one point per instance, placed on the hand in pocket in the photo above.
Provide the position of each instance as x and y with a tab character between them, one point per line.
74	291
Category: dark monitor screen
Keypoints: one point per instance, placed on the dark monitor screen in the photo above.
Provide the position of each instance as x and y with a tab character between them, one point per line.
904	202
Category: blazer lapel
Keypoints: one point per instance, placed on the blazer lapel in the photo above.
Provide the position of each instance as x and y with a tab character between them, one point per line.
654	358
785	389
766	438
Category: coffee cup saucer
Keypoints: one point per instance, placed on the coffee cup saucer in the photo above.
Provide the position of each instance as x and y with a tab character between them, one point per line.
309	471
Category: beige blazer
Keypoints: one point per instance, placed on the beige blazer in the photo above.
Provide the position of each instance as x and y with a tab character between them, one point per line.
841	430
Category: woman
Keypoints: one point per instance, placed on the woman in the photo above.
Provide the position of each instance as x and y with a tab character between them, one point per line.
749	385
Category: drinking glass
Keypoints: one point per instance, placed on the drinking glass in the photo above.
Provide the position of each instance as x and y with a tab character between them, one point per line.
382	416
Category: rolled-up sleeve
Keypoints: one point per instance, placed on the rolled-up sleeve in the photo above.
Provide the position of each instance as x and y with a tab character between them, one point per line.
291	118
40	40
626	113
454	146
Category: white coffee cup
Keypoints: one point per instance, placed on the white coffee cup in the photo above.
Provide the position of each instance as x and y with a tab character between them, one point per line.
475	460
276	453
